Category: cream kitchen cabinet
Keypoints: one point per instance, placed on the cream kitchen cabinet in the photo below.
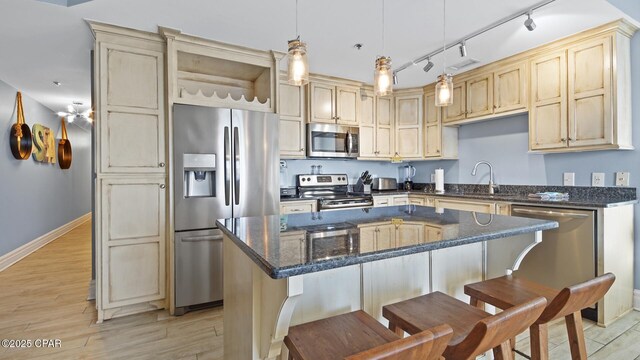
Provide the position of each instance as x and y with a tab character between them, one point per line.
400	200
580	96
417	200
375	237
510	88
441	142
382	201
334	104
376	127
409	233
132	251
298	207
454	267
479	95
293	116
131	184
457	110
466	205
409	124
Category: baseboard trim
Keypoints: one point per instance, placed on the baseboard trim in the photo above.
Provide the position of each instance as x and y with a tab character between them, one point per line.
636	299
92	290
18	254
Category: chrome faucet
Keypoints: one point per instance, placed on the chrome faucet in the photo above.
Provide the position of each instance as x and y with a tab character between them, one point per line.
475	170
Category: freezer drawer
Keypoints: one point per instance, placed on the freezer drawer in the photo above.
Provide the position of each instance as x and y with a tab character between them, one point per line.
198	261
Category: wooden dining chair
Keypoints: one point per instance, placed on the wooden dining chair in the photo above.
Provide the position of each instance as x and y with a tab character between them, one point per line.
508	291
474	331
358	336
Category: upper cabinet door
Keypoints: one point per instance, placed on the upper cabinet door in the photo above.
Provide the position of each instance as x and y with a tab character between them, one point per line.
408	117
510	88
348	105
368	126
457	110
590	115
132	124
292	112
322	103
548	113
432	116
291	101
384	129
480	95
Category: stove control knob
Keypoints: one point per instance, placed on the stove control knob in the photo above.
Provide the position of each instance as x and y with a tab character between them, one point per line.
303	179
308	179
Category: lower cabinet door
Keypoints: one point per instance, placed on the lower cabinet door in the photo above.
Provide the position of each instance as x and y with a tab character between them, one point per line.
454	267
133	241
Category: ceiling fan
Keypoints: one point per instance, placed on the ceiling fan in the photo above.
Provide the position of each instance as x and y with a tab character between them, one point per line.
72	113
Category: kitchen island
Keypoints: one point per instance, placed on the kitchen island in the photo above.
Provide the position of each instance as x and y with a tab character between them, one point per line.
285	270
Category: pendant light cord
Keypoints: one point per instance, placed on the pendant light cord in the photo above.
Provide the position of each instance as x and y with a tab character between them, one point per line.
444	36
297	33
383	53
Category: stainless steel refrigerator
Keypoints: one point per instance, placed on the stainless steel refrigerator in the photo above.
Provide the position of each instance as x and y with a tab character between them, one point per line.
225	165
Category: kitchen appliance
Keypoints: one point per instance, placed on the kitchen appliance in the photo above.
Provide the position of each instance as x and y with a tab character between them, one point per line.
225	165
332	141
288	192
408	172
385	183
331	191
330	241
567	255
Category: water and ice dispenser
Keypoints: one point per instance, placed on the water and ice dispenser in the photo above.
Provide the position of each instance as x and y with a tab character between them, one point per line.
199	175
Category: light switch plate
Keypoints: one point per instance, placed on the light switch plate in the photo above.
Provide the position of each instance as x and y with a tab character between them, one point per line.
622	178
597	179
569	179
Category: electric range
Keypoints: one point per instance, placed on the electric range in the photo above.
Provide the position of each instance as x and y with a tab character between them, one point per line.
331	191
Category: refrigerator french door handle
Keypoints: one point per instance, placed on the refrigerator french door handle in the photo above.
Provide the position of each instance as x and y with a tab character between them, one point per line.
227	166
236	162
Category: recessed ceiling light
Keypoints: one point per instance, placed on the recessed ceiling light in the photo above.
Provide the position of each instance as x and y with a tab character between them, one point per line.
358	46
57	83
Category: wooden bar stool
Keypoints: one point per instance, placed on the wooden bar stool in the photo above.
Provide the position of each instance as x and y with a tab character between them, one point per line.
508	291
358	336
474	331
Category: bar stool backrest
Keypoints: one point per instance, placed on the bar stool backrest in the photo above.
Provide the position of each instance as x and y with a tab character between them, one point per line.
425	345
497	329
577	297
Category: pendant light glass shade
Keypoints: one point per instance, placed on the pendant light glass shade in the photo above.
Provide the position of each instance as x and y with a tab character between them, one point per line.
298	73
444	90
383	77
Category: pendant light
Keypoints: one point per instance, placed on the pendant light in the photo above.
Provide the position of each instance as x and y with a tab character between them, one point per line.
444	86
383	76
298	72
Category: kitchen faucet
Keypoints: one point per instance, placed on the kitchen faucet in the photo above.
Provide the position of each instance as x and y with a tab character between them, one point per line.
475	170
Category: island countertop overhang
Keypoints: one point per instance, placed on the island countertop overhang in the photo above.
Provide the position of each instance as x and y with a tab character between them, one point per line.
262	238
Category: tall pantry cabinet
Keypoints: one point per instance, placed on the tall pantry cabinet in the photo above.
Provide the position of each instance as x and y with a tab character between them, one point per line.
131	196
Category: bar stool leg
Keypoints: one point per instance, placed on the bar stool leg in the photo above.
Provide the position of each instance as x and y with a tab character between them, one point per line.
476	303
503	352
539	342
576	336
396	329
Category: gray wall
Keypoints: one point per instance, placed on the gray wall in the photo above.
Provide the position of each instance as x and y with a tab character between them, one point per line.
36	198
504	143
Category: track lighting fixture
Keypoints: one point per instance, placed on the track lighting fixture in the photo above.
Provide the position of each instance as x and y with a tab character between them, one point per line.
429	65
463	49
395	79
529	23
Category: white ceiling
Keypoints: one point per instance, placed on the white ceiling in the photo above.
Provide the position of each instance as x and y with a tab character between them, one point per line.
43	42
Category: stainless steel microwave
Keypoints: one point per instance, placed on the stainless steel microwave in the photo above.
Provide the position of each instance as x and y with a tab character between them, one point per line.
332	141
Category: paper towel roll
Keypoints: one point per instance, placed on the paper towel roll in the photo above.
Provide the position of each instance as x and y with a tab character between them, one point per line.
439	181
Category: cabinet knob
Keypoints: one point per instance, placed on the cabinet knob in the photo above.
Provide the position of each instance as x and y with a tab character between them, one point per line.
337	117
162	186
161	164
562	139
302	149
438	151
570	139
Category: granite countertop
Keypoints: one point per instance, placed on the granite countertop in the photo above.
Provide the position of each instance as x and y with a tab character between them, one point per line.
265	239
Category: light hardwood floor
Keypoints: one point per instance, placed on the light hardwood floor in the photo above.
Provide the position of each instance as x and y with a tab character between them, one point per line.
44	297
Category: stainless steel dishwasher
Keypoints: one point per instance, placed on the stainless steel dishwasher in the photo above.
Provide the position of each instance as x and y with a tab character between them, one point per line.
567	255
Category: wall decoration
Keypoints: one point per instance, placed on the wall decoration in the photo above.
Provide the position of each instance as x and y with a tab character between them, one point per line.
20	139
64	148
43	144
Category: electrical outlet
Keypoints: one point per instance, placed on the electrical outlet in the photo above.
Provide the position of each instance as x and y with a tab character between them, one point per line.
622	178
283	164
569	179
597	179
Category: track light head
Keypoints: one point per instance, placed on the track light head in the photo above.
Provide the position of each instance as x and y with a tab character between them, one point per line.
463	49
395	79
529	23
429	65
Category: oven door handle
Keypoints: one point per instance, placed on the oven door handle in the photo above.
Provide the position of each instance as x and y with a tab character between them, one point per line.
550	213
340	206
